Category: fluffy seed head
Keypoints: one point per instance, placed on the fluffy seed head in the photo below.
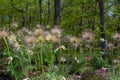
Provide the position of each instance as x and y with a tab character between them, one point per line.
12	38
110	45
51	38
88	36
30	39
3	33
116	36
38	31
75	41
56	31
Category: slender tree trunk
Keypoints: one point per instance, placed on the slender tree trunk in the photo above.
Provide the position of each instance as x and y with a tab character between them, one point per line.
40	6
82	10
118	27
48	11
23	20
26	15
102	22
56	11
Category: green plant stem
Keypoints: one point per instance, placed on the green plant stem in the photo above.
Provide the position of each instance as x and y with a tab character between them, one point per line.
25	71
52	57
36	68
9	56
41	57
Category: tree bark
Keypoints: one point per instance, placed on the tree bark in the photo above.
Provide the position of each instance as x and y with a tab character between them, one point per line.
48	11
102	22
40	6
118	27
81	18
56	11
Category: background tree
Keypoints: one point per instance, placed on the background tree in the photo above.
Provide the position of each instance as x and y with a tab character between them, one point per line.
102	22
56	11
40	6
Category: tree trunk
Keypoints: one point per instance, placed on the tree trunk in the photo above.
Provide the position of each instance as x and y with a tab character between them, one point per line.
48	11
56	11
118	27
23	20
81	18
102	22
40	6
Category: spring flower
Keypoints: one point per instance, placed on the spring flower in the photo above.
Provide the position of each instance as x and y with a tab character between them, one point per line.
76	60
110	45
41	39
16	45
77	77
13	42
115	61
60	47
45	33
3	34
26	79
9	60
63	78
57	32
75	41
102	40
19	33
29	33
51	38
38	31
30	39
102	72
55	66
63	59
104	69
88	36
30	51
25	30
116	36
87	46
12	38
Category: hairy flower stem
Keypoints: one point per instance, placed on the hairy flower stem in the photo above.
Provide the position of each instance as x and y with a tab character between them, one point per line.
52	58
41	57
9	56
